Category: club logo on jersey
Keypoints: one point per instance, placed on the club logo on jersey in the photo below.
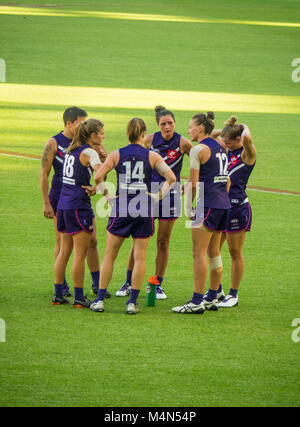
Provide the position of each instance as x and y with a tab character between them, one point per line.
172	154
234	160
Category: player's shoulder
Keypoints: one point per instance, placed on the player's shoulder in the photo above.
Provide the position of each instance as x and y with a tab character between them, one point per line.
52	142
198	148
51	146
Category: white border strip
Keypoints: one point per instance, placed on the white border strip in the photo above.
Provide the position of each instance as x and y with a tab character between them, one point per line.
273	192
19	156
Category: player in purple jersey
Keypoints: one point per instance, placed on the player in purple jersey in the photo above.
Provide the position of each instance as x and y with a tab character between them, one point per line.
53	156
131	214
208	166
241	159
74	212
171	147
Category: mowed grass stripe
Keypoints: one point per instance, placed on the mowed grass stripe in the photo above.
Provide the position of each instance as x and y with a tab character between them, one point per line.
146	98
22	10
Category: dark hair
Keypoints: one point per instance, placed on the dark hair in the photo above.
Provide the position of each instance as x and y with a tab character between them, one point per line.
232	129
161	111
83	131
71	114
135	128
206	120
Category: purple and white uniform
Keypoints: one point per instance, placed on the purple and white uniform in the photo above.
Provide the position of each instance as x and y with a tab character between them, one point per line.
74	211
169	208
131	213
56	185
214	176
240	214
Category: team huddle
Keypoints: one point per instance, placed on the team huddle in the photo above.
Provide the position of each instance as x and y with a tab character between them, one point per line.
148	188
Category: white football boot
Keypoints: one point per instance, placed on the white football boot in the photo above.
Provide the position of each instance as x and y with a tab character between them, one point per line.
229	301
190	308
97	306
131	308
160	293
210	305
124	290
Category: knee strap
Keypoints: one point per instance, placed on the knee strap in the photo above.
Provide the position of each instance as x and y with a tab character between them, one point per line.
216	263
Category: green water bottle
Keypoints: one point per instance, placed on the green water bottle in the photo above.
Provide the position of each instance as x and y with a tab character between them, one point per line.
151	292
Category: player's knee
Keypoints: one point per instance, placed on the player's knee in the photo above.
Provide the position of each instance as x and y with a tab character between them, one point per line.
216	264
163	244
235	253
139	257
93	243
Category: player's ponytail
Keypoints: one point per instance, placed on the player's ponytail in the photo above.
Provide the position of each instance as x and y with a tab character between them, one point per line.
83	132
135	128
206	120
232	129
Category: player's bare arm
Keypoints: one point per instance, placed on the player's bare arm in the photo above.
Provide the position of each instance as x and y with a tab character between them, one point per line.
47	162
148	141
185	145
248	155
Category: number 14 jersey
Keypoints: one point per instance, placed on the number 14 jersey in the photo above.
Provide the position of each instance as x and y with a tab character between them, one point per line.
133	182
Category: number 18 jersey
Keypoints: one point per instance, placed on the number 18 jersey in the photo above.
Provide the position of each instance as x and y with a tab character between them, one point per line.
214	175
72	195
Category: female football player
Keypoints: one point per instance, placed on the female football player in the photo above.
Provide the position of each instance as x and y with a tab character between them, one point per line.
75	216
171	147
208	167
132	212
241	159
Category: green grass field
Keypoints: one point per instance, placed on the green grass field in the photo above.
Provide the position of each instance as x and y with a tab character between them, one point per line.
119	59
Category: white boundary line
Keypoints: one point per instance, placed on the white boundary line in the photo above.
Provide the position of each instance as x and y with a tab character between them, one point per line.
282	193
19	156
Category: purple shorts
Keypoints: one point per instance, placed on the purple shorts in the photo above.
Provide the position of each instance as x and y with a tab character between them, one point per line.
214	219
239	218
73	221
138	228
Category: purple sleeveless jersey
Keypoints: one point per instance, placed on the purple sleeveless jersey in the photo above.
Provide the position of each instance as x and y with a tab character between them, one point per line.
56	185
214	175
133	181
239	174
170	152
72	195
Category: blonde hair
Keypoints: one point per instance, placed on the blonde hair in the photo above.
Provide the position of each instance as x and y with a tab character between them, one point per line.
135	128
232	129
83	132
206	120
